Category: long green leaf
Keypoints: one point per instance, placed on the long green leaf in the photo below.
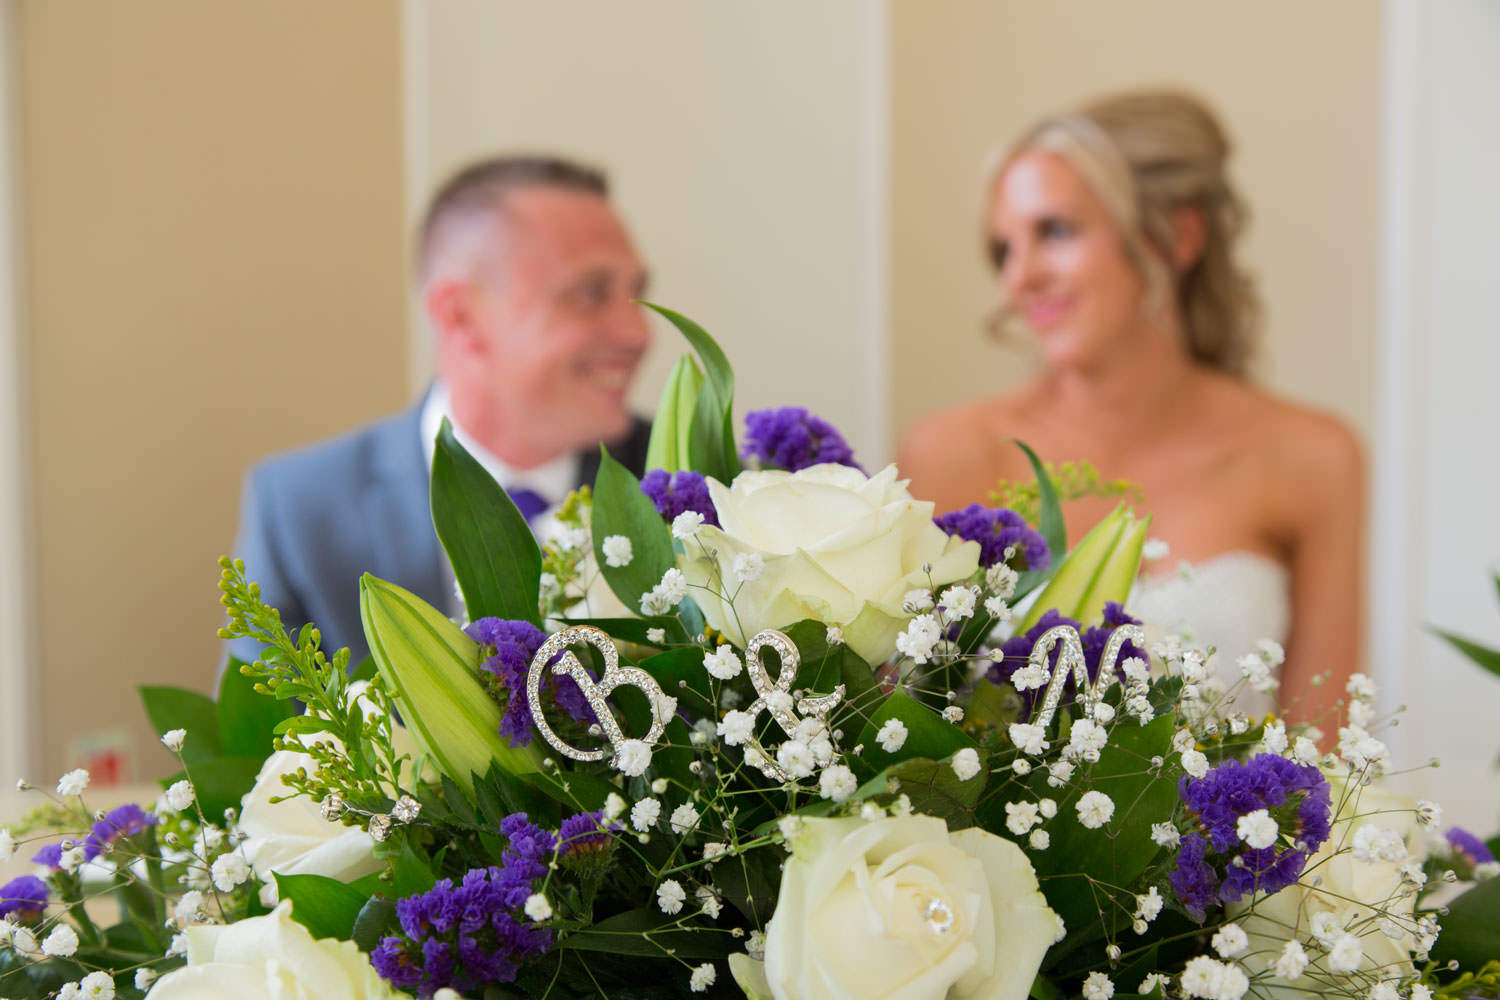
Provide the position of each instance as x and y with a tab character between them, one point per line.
246	717
1469	934
178	708
220	783
1049	523
1484	656
494	555
711	448
620	508
928	735
647	933
325	906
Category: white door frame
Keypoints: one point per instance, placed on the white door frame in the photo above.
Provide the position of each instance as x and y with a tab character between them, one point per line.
17	626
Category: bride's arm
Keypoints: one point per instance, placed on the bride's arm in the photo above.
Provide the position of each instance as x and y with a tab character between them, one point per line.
1328	574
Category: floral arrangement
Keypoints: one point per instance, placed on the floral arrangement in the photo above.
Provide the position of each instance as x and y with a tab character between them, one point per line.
757	724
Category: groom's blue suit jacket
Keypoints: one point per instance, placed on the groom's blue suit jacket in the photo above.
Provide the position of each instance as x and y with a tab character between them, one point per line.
313	520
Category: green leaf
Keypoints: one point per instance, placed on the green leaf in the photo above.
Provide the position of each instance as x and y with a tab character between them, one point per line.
1468	935
413	875
1115	855
364	670
494	555
711	447
376	919
246	717
302	725
1049	523
620	508
643	932
936	790
178	708
928	734
1483	656
220	783
326	907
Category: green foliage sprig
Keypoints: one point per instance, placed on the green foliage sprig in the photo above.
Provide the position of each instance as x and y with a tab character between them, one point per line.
361	765
1073	481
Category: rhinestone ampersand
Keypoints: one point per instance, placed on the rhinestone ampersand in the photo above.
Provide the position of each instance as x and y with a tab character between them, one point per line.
596	693
1070	660
776	696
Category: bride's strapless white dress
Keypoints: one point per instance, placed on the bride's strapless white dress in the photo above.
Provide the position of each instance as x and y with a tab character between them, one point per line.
1230	602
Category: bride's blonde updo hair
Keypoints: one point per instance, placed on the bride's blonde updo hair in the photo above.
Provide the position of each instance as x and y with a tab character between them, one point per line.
1146	154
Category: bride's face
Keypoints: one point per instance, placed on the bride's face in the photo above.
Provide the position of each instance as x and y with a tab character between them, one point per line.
1061	263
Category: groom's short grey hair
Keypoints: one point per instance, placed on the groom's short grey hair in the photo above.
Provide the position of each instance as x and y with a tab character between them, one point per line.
478	191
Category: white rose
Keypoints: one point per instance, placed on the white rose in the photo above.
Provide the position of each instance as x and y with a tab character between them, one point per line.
838	547
269	958
902	907
1353	894
292	837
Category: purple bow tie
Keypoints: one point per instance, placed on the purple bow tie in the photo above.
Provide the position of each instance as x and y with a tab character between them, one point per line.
529	502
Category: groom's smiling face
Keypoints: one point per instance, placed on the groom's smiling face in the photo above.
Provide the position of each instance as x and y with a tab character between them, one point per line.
549	333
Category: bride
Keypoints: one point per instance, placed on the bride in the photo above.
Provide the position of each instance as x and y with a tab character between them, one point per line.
1112	234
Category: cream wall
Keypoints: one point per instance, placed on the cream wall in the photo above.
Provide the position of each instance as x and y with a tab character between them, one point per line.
211	237
745	145
1298	85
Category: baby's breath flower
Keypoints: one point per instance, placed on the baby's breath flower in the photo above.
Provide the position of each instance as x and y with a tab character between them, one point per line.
1028	738
656	636
229	871
617	551
1020	817
953	714
683	818
702	978
1195	763
892	735
633	757
61	943
837	783
686	524
644	814
144	978
1040	840
920	638
7	845
1230	940
834	636
1346	953
736	727
1059	773
1098	987
73	783
614	806
537	907
722	663
180	796
958	602
748	567
1257	829
1291	962
670	896
796	759
916	601
172	739
1095	809
966	763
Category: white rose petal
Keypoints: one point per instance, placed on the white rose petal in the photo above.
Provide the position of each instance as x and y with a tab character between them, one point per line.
292	836
829	938
267	957
7	845
838	546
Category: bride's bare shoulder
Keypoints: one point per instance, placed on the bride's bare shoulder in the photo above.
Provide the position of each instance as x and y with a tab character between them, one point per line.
956	455
1301	446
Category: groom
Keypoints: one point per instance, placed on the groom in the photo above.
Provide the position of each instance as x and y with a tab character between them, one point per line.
527	280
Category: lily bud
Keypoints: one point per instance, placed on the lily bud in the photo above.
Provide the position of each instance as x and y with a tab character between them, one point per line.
1076	575
672	428
431	667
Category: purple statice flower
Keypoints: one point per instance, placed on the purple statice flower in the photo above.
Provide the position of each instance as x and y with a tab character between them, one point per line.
1295	795
1015	652
585	831
1469	847
473	934
124	821
50	856
23	898
515	643
791	438
676	492
997	529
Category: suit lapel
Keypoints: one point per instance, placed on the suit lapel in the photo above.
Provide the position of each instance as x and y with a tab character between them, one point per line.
398	509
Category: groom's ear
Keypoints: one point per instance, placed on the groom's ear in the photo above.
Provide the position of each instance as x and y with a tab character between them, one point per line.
1189	236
